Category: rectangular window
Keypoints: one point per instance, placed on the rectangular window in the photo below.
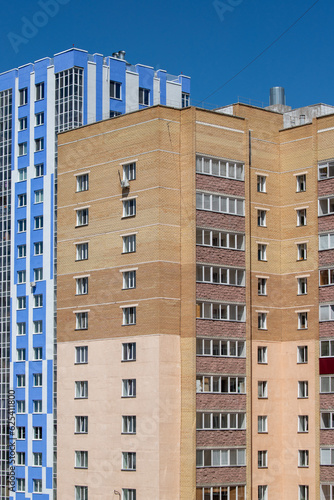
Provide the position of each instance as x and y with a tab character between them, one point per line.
261	252
22	200
22	225
129	243
326	384
22	149
21	328
326	277
81	389
115	90
302	251
128	494
302	354
39	91
38	300
129	388
37	406
39	144
220	167
326	348
37	459
220	384
21	354
302	286
129	315
22	174
81	492
303	492
129	351
303	458
262	459
262	423
129	424
262	389
326	313
220	203
21	432
37	485
81	459
23	123
20	484
262	492
21	277
261	218
37	433
20	458
38	326
144	96
112	114
129	279
185	100
81	425
220	239
82	285
262	286
23	96
81	354
261	184
129	207
82	217
128	460
82	182
21	302
21	251
220	275
37	380
39	170
81	251
301	183
220	421
221	312
129	172
301	217
302	321
38	222
327	420
325	171
20	406
38	353
38	274
216	347
262	321
39	119
303	423
303	389
326	206
262	355
221	458
39	196
81	321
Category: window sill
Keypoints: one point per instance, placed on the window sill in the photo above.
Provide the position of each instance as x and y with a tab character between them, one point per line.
128	216
262	432
301	329
130	324
127	397
306	397
128	470
301	294
79	260
82	363
81	225
262	362
80	294
124	253
263	329
78	467
83	397
262	260
128	433
128	360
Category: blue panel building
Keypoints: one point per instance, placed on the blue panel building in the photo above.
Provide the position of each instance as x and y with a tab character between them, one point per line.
36	102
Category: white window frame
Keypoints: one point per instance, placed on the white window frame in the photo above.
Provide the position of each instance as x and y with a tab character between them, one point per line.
37	406
81	320
220	420
302	354
262	355
39	91
327	416
326	170
20	484
128	460
301	183
20	406
301	217
38	274
262	492
262	424
233	348
303	423
38	326
326	277
82	216
21	276
261	182
301	251
22	225
220	239
81	492
129	243
38	353
220	275
129	171
129	207
37	380
38	300
81	250
37	459
37	485
20	458
262	252
325	206
23	148
262	389
23	96
220	203
38	248
129	315
23	123
302	320
221	312
22	200
302	285
302	389
21	302
81	459
226	457
81	285
81	424
38	222
39	170
262	320
21	251
144	96
22	174
39	144
129	389
115	90
129	279
220	167
39	196
37	433
220	384
128	494
81	389
262	459
326	384
82	181
262	286
262	218
303	458
39	119
81	355
129	351
129	423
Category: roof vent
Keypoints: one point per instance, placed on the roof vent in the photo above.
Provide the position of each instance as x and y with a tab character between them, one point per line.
121	54
277	96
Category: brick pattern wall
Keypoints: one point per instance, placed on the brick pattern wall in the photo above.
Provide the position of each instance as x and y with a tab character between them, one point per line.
326	257
220	185
326	437
217	220
222	329
326	187
227	293
221	475
222	256
219	438
224	366
326	473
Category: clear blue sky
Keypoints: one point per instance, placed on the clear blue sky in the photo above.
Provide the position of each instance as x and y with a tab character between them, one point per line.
189	36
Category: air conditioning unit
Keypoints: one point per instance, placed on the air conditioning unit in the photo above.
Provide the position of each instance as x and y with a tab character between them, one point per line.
125	184
32	284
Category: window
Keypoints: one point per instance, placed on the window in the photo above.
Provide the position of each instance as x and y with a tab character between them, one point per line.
81	389
129	279
129	243
38	353
262	286
37	380
216	347
326	313
129	424
20	406
220	239
262	321
220	275
326	206
326	277
128	460
262	423
39	91
220	203
21	302
222	312
326	170
21	328
129	388
22	149
23	123
38	248
21	354
303	423
262	355
302	286
39	170
21	432
115	90
39	196
82	251
226	492
261	218
326	384
38	326
81	321
39	119
302	251
303	458
82	217
303	492
326	456
220	168
82	285
82	183
261	252
220	384
37	433
112	114
38	300
22	226
81	425
303	389
221	458
20	484
261	184
129	172
301	217
262	459
81	492
185	100
22	174
302	354
39	144
22	200
129	315
129	351
129	207
327	420
128	494
37	485
21	277
81	459
21	251
262	492
37	459
326	348
20	458
37	406
301	183
302	320
38	274
23	96
262	387
144	96
220	421
81	354
38	222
